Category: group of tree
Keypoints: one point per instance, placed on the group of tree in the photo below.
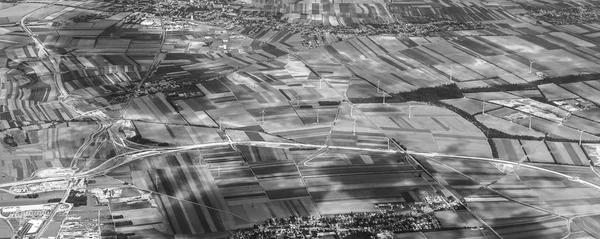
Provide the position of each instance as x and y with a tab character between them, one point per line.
77	198
31	195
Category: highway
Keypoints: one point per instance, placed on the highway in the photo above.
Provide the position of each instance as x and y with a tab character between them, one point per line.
525	165
131	156
54	67
138	151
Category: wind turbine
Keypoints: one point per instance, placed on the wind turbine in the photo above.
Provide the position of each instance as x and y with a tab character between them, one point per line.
384	95
530	65
263	115
317	115
221	123
482	106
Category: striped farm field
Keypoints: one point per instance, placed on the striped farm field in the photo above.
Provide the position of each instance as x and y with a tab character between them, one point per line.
510	149
178	134
568	153
183	190
591	114
360	188
564	196
347	13
165	161
263	191
554	92
153	108
590	224
584	91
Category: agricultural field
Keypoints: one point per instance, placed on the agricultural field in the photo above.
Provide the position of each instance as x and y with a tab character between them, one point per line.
535	206
427	128
479	117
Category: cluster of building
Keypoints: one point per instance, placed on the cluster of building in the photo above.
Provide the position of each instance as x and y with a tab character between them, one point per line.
273	21
32	216
565	16
392	218
40	187
573	105
172	8
340	226
80	227
104	196
27	212
424	204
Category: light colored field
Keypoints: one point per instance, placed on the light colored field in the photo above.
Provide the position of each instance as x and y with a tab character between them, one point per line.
536	151
554	92
459	218
560	62
515	44
160	133
574	40
5	229
470	106
586	125
506	126
16	12
459	146
584	91
491	211
510	149
153	108
491	96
